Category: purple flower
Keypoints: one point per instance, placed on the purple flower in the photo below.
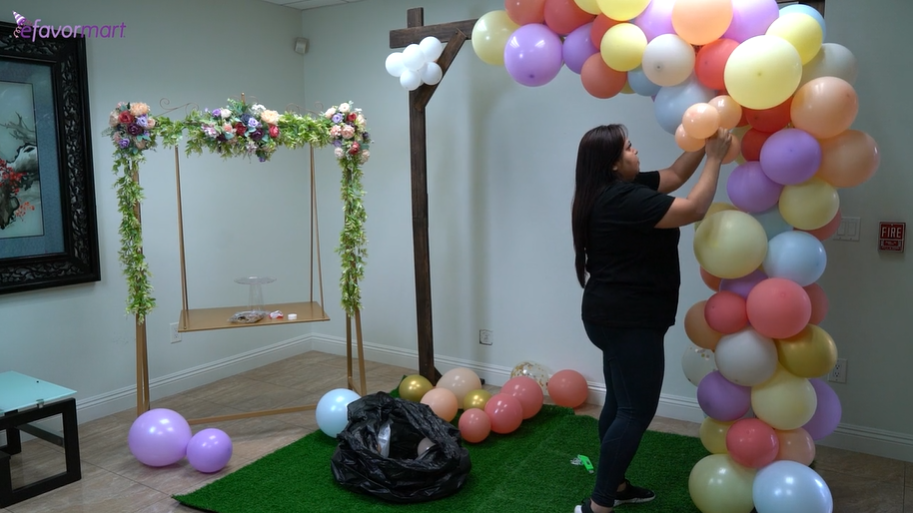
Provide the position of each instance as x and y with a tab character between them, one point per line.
123	143
245	118
216	113
253	123
134	129
143	121
256	135
337	118
365	137
337	143
262	158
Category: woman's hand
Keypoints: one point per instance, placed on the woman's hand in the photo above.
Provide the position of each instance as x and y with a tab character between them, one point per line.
717	145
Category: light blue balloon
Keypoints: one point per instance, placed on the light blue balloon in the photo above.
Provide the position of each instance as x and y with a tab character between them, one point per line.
773	222
672	102
796	256
790	487
811	11
332	412
640	84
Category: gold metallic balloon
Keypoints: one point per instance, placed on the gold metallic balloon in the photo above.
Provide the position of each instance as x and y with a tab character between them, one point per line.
476	399
414	387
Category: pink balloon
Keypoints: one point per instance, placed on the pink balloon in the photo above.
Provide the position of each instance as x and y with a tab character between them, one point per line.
568	388
505	413
475	426
750	190
778	308
528	392
209	450
752	443
725	312
751	18
159	437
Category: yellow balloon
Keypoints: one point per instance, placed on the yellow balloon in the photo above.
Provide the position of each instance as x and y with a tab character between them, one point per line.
588	6
809	205
763	72
809	354
414	387
622	46
716	206
490	34
713	435
800	30
785	401
476	399
719	485
622	10
730	244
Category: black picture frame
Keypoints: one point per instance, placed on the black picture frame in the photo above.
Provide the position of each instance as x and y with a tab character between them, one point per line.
64	248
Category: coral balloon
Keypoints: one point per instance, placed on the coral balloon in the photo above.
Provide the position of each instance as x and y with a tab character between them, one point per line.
808	354
474	425
785	401
730	244
763	72
599	79
848	159
442	402
752	443
726	312
564	16
701	120
796	445
460	381
413	387
601	25
730	111
477	399
524	12
528	392
752	142
778	308
568	388
710	63
809	205
769	120
825	107
701	21
505	413
820	304
713	282
697	329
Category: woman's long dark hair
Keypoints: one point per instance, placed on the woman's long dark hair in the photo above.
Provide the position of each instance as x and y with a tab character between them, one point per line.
599	150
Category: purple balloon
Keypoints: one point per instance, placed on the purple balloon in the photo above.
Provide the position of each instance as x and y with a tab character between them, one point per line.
159	437
656	19
209	450
742	286
790	156
578	47
750	190
722	399
751	18
533	55
827	414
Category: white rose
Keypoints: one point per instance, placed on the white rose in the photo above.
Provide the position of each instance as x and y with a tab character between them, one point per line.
344	108
360	121
257	108
339	153
365	155
225	112
329	113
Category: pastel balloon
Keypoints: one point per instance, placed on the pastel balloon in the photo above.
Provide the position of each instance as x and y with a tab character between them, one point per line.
722	399
716	206
671	103
828	230
701	120
528	393
849	159
701	21
713	435
778	308
796	445
209	450
796	256
490	34
656	19
505	413
824	107
698	330
712	282
641	85
745	284
474	425
785	401
809	205
773	222
564	16
730	111
697	363
751	18
717	484
578	47
460	381
568	388
600	80
668	60
590	6
752	443
524	12
332	413
710	63
159	437
800	30
820	303
726	312
809	353
442	402
828	412
832	60
730	244
791	487
622	10
746	358
686	142
533	55
622	47
763	72
751	190
809	10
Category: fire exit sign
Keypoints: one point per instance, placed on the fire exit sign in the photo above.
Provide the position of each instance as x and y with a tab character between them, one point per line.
890	236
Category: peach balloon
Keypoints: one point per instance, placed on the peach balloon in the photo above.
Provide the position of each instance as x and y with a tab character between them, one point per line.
568	388
528	392
697	329
475	426
701	120
700	22
505	413
685	141
710	280
828	230
848	159
460	381
730	111
726	313
824	107
796	445
442	402
820	304
523	12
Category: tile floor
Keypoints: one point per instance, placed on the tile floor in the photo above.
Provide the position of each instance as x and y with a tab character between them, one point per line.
114	482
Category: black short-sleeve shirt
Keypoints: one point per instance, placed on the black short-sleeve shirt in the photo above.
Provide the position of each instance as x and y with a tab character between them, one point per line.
633	266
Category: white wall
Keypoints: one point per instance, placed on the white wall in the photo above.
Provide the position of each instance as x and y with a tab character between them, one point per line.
241	217
500	173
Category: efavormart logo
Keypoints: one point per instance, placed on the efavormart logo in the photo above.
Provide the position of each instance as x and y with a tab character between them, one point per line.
30	30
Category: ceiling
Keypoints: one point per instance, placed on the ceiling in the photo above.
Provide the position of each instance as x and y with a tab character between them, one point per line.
310	4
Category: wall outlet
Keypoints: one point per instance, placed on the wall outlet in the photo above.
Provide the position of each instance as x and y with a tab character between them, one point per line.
838	373
175	334
485	337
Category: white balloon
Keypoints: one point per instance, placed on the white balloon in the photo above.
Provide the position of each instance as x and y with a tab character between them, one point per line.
668	60
746	357
432	48
832	60
410	80
394	64
413	58
790	487
432	73
697	362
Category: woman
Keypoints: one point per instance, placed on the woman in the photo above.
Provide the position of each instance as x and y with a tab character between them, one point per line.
625	228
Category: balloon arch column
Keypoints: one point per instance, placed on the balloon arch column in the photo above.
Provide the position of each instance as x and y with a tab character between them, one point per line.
766	74
240	129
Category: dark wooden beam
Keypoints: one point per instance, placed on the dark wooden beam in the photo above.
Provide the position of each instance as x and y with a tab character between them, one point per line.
402	38
425	92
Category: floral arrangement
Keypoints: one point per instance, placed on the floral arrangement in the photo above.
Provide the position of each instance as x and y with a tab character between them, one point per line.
238	130
10	184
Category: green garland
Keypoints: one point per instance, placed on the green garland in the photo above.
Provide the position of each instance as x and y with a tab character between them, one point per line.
237	130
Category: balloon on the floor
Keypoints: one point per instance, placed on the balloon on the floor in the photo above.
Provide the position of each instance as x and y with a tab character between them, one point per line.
534	370
413	387
332	410
476	399
159	437
528	392
460	381
568	388
474	425
505	413
209	450
442	402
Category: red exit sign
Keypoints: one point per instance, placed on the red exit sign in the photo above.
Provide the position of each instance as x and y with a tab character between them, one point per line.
890	236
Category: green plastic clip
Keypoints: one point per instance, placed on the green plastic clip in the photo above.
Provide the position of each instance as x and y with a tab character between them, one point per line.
587	464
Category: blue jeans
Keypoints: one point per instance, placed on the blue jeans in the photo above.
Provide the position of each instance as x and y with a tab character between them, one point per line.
633	363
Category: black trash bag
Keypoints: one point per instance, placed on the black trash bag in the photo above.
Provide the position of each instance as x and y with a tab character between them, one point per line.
378	451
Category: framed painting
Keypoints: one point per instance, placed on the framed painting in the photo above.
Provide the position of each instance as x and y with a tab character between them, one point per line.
48	230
